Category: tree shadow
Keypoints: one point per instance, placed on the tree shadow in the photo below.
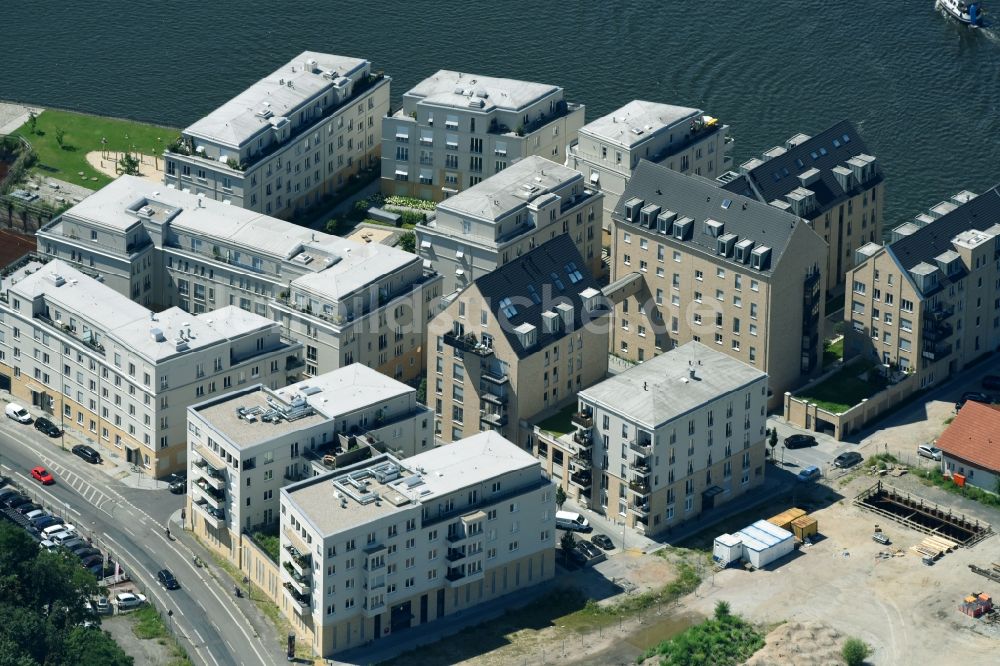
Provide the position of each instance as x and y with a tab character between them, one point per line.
69	148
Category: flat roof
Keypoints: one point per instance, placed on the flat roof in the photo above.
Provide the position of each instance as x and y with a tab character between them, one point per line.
330	395
510	189
420	479
153	336
762	535
637	121
282	91
504	94
661	389
360	264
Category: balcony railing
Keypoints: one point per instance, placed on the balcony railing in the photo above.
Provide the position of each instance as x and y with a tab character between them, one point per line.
494	398
639	487
214	498
301	563
494	376
641	449
300	602
583	479
299	582
455	555
939	312
583	419
467	343
214	517
641	508
454	575
495	420
936	352
936	332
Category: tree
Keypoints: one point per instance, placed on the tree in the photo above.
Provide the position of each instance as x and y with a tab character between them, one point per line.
722	610
408	242
60	135
331	225
855	651
422	392
128	165
560	496
773	442
567	543
32	122
90	645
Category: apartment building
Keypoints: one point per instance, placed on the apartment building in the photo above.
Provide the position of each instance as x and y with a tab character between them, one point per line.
721	269
830	180
665	440
246	444
123	375
926	303
517	343
346	301
391	544
288	140
681	138
455	130
507	215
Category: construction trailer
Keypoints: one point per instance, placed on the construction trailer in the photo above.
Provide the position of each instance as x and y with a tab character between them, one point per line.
785	518
759	544
805	527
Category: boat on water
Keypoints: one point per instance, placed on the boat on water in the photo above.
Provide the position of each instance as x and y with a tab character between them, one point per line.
969	13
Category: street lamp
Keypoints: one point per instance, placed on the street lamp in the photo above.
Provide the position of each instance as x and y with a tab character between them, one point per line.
246	581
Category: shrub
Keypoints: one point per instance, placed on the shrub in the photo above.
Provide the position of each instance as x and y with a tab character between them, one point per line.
855	651
408	242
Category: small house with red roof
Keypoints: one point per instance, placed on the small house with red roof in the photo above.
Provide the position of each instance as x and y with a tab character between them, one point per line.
970	446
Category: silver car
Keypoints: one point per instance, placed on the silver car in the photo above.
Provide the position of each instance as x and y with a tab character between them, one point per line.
929	451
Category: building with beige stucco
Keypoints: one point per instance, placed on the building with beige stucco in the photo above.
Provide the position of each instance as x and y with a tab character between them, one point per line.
391	544
516	344
740	276
287	141
123	375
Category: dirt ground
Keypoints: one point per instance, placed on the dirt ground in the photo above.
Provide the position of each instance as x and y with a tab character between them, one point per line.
800	644
151	167
145	652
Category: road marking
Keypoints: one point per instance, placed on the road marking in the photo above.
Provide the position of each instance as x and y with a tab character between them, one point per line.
195	632
130	532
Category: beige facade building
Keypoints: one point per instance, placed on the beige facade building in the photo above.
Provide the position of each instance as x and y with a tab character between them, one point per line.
120	374
247	444
681	138
927	303
455	130
288	140
346	301
831	181
507	215
738	275
391	544
660	443
517	343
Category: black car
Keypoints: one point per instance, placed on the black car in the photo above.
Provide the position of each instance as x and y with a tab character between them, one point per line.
849	459
799	441
27	507
974	396
92	560
603	541
87	453
177	482
991	382
87	553
167	579
41	522
42	424
96	569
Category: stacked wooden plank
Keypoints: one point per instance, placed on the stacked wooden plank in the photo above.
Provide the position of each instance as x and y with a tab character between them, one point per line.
934	547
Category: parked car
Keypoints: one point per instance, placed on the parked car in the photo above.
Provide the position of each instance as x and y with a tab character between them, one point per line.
42	475
42	522
18	413
882	538
177	482
799	441
974	396
89	551
991	382
27	508
572	521
128	601
167	579
849	459
92	560
42	424
97	570
75	544
929	451
15	500
809	473
31	515
58	527
60	538
102	606
47	545
588	553
603	541
87	453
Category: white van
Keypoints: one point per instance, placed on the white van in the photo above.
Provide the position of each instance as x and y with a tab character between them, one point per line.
56	529
18	413
570	520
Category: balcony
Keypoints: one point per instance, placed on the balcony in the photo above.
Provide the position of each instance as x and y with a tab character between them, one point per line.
454	554
640	465
300	603
639	508
495	420
936	331
215	499
582	479
373	606
640	488
467	343
494	376
583	419
580	464
298	582
216	518
936	352
641	448
494	398
301	563
213	478
939	313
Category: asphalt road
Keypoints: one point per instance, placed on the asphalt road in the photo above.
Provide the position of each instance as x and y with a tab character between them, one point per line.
129	523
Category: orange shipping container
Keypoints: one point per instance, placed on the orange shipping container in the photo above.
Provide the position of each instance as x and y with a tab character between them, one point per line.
785	518
805	527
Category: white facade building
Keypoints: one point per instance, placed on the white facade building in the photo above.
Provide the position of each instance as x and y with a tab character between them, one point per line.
247	444
389	544
346	301
124	375
455	129
288	140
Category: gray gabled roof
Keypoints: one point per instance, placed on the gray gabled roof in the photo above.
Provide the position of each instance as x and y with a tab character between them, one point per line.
516	279
701	200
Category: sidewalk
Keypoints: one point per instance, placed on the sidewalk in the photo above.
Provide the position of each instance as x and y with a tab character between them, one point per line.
13	115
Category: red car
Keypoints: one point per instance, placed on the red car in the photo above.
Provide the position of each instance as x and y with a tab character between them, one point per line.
42	475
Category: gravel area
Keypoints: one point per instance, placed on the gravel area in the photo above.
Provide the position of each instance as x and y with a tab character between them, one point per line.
145	652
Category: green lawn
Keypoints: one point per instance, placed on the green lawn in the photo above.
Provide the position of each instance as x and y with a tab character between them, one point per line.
559	423
833	352
844	389
83	133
